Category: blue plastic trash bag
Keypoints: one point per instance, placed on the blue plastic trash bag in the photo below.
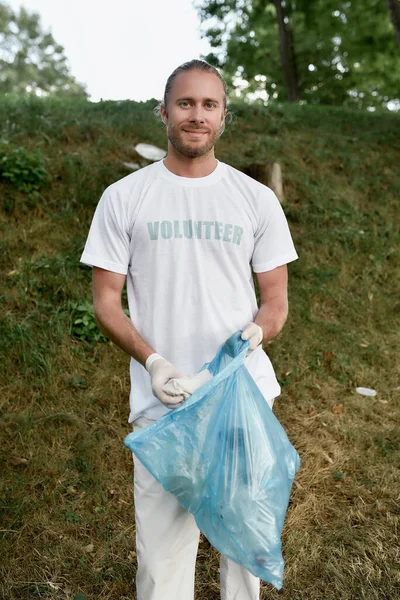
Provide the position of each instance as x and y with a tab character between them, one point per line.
228	461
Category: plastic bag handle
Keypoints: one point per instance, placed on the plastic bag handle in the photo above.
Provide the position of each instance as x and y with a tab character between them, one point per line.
230	347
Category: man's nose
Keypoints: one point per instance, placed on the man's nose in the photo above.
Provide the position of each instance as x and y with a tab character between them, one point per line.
197	114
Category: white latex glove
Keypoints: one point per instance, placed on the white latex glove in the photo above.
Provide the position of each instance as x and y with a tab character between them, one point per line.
161	371
187	385
254	334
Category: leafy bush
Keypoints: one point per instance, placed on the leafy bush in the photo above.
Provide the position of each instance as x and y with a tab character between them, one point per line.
25	170
84	325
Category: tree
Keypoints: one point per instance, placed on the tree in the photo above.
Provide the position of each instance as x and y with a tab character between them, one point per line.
286	51
30	60
342	52
394	7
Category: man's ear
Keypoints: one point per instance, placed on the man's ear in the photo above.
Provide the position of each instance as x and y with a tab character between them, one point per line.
163	113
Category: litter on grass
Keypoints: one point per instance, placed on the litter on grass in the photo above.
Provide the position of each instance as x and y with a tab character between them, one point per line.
150	152
366	391
131	166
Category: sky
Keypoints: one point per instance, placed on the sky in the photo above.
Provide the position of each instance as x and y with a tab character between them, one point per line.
122	49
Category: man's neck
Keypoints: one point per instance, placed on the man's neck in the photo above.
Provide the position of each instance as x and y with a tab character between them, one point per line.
185	166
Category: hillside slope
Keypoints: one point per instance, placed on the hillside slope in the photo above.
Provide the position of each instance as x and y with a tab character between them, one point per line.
66	480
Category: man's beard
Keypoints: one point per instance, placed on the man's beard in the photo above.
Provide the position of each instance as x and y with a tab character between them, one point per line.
193	150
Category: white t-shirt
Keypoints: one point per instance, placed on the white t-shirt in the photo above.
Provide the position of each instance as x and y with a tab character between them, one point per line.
188	246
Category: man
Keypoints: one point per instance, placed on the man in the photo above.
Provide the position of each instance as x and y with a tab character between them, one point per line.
186	233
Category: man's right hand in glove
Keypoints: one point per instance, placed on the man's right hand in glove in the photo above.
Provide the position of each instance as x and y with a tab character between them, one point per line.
161	371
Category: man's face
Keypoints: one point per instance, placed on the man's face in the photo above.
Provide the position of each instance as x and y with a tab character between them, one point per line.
195	112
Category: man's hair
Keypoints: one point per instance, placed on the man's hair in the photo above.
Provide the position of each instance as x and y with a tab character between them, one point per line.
193	65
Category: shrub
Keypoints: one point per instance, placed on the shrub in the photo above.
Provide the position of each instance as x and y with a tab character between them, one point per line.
24	170
84	325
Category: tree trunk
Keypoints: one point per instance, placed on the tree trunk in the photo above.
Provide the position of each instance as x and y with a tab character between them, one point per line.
270	174
394	7
287	55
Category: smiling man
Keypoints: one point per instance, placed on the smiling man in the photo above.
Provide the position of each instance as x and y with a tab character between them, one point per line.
186	234
193	138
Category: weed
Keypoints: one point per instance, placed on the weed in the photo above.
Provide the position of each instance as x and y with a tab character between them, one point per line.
386	446
84	326
24	170
71	517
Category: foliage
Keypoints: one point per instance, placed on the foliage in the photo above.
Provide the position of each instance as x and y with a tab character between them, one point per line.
31	61
25	170
84	326
67	119
345	52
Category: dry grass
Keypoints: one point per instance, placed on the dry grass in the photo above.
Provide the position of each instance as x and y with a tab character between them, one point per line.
67	525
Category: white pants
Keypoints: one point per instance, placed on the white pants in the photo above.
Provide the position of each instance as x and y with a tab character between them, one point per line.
167	538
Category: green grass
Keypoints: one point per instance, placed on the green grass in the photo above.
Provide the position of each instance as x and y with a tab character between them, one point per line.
64	399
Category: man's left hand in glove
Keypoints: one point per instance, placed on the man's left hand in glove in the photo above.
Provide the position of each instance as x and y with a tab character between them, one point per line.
254	334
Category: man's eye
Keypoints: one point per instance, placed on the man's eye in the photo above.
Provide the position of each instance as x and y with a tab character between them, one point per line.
184	103
210	105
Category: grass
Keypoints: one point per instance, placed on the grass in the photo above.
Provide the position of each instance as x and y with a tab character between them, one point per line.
67	527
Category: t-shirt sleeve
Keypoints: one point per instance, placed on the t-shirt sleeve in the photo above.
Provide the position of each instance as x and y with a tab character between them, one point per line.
108	241
273	244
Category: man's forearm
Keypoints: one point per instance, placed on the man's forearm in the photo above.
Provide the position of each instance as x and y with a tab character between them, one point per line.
114	323
271	317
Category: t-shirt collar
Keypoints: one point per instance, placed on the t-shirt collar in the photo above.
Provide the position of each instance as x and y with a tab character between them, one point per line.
191	181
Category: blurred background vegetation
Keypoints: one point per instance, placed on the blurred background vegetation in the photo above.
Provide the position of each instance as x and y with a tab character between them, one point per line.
308	51
330	52
31	61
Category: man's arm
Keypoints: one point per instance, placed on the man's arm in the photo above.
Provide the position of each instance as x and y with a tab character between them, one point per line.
273	311
113	322
111	319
